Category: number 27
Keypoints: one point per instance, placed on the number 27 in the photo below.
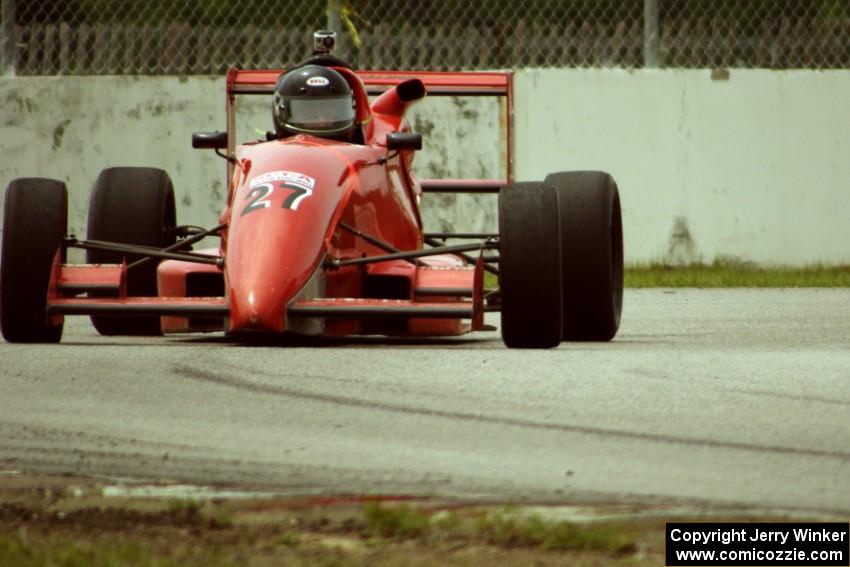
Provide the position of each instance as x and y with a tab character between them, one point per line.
257	197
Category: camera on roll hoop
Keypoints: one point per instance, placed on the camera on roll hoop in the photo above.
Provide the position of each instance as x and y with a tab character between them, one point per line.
324	42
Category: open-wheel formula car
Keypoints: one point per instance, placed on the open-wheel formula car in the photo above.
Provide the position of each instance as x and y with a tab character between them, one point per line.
321	233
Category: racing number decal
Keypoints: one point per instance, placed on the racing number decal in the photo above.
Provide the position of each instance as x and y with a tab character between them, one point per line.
300	185
257	198
298	194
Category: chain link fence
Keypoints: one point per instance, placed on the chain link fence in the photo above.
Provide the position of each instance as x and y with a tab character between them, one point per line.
96	37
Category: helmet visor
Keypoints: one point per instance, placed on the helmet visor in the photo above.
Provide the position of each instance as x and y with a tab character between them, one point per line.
320	114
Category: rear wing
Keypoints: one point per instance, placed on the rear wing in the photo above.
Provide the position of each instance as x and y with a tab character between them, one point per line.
472	83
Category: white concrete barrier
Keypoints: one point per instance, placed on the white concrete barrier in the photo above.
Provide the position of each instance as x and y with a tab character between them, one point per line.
749	164
69	128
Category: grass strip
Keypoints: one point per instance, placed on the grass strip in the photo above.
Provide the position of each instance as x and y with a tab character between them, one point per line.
190	534
726	274
22	549
499	528
735	274
71	529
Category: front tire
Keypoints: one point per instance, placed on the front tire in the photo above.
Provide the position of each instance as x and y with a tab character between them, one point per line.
529	266
35	220
131	205
591	254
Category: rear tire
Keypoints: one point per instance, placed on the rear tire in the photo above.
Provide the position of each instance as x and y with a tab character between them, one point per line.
529	266
591	254
35	220
131	205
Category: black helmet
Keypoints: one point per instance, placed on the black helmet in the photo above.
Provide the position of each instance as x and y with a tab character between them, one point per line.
313	100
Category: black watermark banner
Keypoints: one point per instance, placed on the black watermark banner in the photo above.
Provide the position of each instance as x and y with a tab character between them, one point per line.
742	544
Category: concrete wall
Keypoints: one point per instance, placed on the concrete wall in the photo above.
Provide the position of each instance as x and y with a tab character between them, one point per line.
753	164
70	128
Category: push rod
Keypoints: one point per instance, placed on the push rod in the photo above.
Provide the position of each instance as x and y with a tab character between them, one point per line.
461	235
143	251
182	244
335	263
385	246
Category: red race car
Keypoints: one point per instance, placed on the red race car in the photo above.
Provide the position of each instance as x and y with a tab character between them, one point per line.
321	233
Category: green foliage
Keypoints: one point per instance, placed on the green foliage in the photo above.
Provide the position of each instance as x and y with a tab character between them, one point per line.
398	523
289	539
509	530
21	551
505	530
221	517
502	529
184	508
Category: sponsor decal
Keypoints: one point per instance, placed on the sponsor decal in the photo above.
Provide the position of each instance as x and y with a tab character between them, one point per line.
288	177
318	82
298	185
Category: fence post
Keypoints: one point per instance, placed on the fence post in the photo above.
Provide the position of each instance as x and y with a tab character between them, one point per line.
650	33
8	48
332	11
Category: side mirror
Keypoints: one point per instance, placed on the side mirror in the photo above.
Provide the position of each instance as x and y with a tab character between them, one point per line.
404	141
209	140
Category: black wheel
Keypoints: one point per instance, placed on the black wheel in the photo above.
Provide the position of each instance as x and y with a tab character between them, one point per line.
529	266
131	205
35	220
591	254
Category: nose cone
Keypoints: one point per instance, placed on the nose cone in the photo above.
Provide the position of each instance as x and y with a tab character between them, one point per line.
256	306
280	219
270	257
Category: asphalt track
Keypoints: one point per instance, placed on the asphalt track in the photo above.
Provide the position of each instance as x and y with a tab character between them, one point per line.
715	398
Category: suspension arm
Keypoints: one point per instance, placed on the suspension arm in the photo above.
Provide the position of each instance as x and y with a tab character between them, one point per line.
338	263
143	251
